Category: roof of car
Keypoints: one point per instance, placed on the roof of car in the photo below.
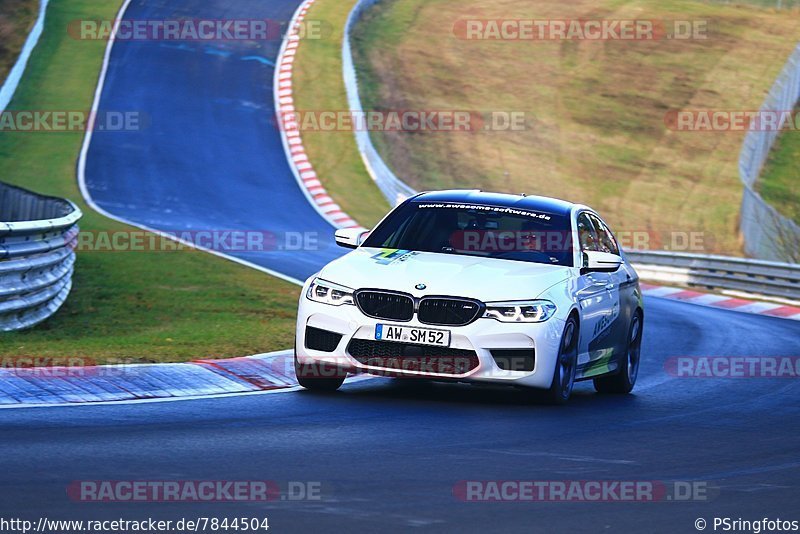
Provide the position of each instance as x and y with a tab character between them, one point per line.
531	202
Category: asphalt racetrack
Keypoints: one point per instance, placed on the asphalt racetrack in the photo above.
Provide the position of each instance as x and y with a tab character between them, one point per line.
387	454
207	154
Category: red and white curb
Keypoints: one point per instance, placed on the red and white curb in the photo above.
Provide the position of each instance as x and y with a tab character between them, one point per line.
290	129
40	387
49	386
721	301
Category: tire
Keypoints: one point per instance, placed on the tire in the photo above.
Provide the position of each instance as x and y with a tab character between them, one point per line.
622	382
318	377
566	365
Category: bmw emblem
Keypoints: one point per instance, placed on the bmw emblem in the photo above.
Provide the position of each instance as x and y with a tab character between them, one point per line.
421	286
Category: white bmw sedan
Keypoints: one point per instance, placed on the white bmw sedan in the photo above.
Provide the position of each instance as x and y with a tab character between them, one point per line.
476	287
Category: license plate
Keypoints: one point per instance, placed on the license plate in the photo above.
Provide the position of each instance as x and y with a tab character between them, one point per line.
408	334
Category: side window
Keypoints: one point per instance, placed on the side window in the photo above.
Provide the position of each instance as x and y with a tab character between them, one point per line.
606	240
587	234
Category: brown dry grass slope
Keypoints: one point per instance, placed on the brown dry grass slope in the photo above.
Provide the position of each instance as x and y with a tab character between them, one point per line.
16	20
595	130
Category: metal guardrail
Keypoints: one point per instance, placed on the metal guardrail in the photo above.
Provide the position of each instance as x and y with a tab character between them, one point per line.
719	272
768	234
394	189
37	257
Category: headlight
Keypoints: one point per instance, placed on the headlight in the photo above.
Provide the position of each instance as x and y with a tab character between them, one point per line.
529	311
329	293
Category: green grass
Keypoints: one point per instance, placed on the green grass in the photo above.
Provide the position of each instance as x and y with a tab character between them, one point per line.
318	86
779	183
16	19
134	306
595	130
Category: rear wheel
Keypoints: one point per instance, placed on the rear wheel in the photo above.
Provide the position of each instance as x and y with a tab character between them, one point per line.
318	377
564	374
623	381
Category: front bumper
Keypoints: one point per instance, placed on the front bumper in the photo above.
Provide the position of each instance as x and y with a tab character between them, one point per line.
482	336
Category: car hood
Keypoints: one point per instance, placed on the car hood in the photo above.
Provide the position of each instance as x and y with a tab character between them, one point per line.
485	279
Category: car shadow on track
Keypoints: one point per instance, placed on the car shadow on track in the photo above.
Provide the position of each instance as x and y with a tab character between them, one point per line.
421	391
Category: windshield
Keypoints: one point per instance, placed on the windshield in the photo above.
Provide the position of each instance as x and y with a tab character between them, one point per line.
477	230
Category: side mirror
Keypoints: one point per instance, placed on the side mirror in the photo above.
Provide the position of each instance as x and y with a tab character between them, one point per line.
602	262
350	237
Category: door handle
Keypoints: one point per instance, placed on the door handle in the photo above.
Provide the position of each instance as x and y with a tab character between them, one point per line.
609	286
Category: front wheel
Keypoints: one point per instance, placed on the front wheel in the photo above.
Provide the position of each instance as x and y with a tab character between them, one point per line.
566	365
623	381
318	377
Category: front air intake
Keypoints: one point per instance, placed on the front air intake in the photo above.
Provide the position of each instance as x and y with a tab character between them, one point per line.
448	311
514	359
385	305
322	340
413	358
